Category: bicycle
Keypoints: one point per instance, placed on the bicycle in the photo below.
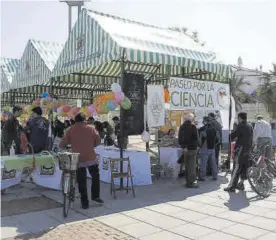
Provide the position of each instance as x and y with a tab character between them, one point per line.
68	163
259	177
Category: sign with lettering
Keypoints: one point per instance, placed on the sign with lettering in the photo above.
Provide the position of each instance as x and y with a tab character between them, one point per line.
194	94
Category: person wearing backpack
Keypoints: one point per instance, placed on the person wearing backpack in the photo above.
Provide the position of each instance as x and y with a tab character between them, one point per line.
208	136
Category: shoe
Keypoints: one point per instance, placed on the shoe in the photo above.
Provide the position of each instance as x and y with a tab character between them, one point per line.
98	200
194	185
240	186
201	179
85	205
229	189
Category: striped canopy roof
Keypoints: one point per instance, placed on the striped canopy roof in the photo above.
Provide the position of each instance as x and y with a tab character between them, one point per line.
8	68
95	47
36	63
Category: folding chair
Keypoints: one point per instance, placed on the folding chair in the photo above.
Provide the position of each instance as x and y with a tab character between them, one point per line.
115	173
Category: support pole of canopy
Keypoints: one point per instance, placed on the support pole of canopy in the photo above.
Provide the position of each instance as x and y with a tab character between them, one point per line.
229	157
51	117
122	119
69	19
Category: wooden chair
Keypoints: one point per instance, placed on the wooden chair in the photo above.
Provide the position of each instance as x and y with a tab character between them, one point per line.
115	173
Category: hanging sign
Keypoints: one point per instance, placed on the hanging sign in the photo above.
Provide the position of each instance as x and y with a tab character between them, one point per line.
133	87
195	94
156	106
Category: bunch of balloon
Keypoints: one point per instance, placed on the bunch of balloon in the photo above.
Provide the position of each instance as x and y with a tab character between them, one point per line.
5	112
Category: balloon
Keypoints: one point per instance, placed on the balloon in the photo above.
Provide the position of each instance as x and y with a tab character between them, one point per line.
104	109
92	109
48	98
44	95
110	96
119	96
115	87
145	136
111	106
43	102
126	104
66	108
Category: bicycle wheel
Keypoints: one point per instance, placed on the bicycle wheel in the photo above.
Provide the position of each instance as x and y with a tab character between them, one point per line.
260	181
66	185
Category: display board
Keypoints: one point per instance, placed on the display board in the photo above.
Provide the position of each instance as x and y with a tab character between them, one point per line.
133	87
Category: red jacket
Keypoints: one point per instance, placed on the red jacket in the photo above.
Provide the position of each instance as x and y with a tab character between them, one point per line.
83	139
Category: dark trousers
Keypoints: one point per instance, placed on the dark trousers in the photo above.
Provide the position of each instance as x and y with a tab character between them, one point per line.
241	164
82	182
190	166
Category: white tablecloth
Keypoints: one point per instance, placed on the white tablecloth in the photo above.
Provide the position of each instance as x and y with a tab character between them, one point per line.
139	162
50	176
170	155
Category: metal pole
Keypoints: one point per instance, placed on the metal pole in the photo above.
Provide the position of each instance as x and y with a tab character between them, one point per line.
79	10
51	116
69	19
122	119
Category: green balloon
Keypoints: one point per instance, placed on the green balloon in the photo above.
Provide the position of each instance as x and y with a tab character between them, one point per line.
126	104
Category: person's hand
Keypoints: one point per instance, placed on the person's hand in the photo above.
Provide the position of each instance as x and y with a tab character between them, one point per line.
185	149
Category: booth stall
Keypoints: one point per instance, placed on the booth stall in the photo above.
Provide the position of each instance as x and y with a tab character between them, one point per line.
102	50
105	49
8	68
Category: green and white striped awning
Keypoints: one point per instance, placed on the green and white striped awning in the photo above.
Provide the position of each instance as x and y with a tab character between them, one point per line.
95	47
36	63
8	67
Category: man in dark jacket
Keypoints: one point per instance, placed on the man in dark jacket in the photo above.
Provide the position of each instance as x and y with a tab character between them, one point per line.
38	128
188	140
244	136
11	132
218	128
208	137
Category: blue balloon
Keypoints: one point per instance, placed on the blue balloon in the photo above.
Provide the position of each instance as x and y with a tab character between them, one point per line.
110	105
44	95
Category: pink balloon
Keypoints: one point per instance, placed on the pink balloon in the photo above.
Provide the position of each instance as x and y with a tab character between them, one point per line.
91	109
119	96
66	108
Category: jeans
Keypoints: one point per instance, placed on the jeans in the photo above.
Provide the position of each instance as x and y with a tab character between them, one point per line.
82	182
190	166
205	154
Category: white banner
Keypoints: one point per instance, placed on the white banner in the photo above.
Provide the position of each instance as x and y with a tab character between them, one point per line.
193	94
156	106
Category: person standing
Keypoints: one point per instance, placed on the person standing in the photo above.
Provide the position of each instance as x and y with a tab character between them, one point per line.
218	127
11	132
84	138
38	128
109	132
208	137
262	134
122	141
188	140
244	136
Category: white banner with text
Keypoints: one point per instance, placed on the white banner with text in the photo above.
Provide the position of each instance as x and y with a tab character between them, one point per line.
198	95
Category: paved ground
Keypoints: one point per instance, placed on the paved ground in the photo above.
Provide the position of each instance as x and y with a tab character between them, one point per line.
164	210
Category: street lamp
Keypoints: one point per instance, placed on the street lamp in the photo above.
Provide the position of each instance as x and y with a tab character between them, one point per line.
72	3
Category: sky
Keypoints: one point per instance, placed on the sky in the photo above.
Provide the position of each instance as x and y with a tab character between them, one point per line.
231	28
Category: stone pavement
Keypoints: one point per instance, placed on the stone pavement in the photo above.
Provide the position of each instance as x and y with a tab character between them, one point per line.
164	210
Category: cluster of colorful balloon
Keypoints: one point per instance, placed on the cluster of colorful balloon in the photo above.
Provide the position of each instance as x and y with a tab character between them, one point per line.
5	112
110	101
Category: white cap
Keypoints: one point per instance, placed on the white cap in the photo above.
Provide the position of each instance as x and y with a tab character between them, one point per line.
189	116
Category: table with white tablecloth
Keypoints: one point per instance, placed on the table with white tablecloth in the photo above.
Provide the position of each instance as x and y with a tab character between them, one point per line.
139	162
170	155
